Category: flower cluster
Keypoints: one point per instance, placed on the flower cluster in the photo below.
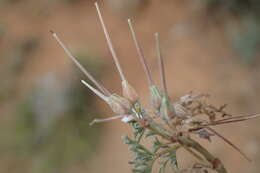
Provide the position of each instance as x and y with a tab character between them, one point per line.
171	124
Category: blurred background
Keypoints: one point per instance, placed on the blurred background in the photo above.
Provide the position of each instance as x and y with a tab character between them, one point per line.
210	46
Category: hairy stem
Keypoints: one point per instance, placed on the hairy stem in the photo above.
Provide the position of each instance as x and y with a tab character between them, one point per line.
215	162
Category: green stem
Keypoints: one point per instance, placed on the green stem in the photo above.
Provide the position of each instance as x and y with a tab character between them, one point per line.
215	162
159	130
145	149
140	137
175	147
193	153
158	155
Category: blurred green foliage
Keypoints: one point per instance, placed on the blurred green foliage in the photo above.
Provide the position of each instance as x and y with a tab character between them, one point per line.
245	41
241	19
15	59
21	53
50	128
237	7
8	1
2	31
72	2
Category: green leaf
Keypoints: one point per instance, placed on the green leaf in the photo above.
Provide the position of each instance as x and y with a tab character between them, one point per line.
128	141
173	160
163	166
156	145
137	129
149	134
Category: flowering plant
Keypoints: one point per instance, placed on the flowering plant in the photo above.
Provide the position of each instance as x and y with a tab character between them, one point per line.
172	125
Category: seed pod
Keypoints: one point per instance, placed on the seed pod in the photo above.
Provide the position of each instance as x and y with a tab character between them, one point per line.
123	101
156	98
118	104
129	92
167	110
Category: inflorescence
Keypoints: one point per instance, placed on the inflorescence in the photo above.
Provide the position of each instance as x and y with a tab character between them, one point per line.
170	124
